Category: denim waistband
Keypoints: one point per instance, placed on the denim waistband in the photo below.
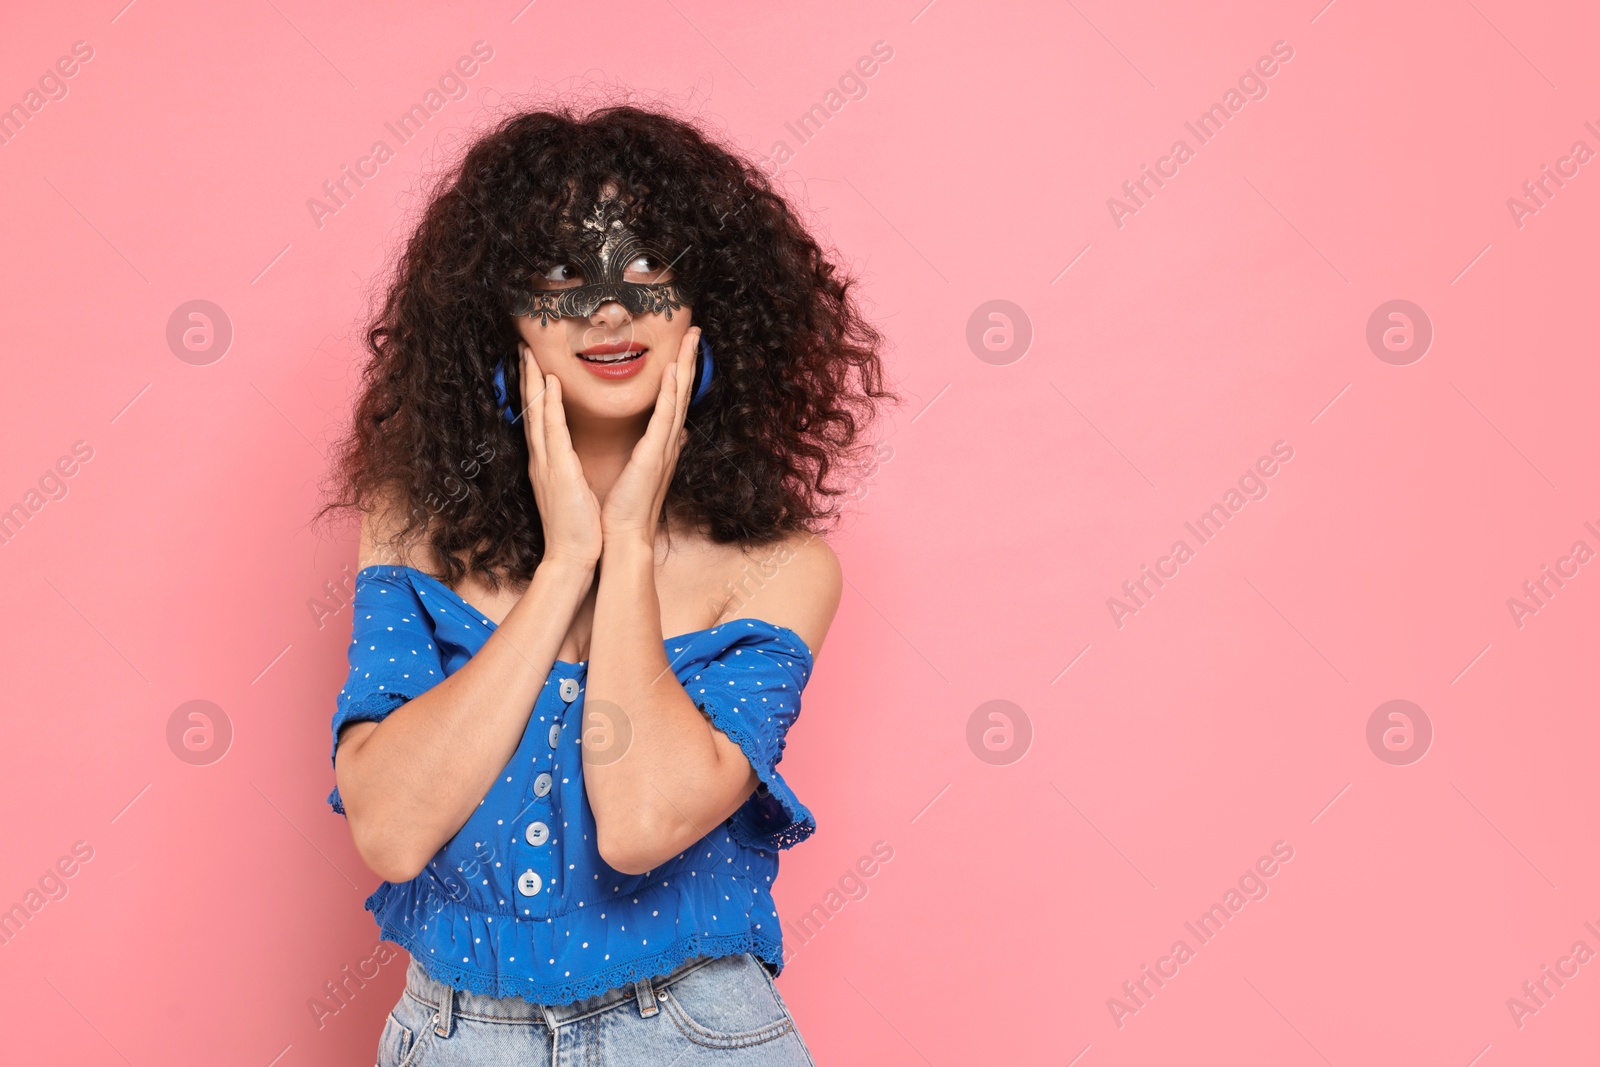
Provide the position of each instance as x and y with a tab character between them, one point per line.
448	1002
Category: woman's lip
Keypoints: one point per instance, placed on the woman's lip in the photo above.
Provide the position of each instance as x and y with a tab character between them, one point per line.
612	349
626	368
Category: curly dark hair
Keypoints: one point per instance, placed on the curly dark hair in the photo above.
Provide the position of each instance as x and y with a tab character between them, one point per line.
798	367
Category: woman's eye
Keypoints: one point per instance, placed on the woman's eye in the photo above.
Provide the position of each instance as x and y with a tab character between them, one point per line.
651	269
559	276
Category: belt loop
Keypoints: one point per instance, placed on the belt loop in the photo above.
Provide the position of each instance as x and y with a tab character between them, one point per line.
446	1012
647	997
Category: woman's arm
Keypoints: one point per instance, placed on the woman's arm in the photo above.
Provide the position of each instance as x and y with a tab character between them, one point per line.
674	776
679	776
412	780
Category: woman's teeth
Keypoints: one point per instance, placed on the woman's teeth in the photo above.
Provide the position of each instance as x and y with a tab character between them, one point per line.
620	357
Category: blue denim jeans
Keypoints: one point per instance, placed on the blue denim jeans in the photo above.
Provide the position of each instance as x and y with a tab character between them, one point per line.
723	1008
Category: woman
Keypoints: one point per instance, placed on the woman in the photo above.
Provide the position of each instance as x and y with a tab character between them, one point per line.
583	621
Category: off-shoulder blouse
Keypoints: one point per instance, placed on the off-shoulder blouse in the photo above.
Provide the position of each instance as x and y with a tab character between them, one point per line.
519	902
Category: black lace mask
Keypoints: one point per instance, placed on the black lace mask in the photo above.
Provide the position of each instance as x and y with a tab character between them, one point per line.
606	247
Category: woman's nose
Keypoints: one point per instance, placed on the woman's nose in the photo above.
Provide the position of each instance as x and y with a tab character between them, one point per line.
611	313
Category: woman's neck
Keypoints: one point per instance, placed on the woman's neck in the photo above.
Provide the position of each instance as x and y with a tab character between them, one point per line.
603	447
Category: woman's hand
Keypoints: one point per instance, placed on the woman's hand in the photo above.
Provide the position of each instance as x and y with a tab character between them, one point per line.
568	507
633	506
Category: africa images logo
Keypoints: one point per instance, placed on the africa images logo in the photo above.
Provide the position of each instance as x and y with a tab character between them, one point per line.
1252	85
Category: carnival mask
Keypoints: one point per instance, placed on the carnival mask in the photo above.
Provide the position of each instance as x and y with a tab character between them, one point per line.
606	248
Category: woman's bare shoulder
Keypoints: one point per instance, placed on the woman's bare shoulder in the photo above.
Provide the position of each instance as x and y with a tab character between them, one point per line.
382	527
795	582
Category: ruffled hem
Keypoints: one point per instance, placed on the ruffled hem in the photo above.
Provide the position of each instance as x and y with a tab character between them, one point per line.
773	818
374	707
493	954
653	966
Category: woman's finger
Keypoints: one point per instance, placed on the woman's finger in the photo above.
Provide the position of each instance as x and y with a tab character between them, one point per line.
673	385
686	354
533	406
554	415
685	365
658	428
684	382
559	439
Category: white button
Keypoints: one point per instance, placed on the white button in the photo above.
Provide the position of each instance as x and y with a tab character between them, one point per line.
529	883
537	833
569	689
555	734
541	785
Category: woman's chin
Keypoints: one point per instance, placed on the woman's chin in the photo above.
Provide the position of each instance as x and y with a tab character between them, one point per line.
610	401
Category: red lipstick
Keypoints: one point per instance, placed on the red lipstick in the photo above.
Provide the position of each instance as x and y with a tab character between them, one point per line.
614	360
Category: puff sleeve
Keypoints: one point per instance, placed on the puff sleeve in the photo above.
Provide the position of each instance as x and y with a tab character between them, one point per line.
393	655
748	680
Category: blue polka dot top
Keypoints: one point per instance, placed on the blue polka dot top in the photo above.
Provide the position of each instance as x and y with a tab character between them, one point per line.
519	902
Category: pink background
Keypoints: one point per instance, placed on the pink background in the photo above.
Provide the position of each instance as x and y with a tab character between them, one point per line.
1017	495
